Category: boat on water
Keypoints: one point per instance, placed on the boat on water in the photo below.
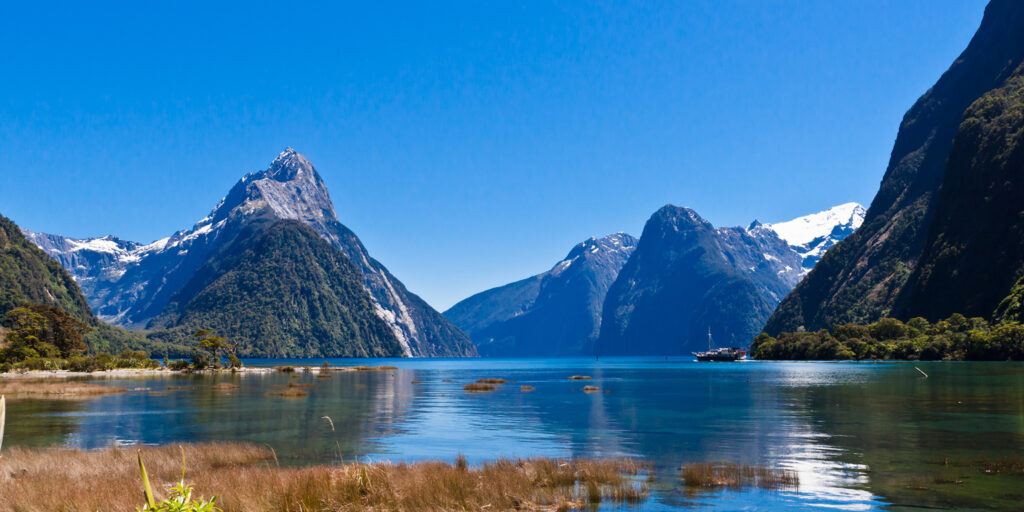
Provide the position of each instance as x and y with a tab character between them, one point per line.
720	354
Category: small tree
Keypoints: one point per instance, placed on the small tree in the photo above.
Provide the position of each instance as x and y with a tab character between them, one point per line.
213	344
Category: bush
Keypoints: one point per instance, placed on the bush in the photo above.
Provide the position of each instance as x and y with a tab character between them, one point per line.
178	364
41	363
82	364
200	361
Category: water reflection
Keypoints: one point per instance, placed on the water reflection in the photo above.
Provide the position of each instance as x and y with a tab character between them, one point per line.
856	434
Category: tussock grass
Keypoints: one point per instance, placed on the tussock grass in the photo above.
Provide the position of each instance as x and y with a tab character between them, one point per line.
245	478
372	368
591	389
225	386
727	474
580	377
301	385
526	389
477	387
491	381
55	388
324	375
285	369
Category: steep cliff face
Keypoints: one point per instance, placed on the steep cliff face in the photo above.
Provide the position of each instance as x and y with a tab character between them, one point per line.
556	313
863	277
131	285
975	247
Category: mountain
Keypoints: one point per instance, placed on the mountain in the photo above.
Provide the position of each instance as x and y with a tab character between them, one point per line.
27	274
811	235
132	284
941	235
686	277
281	291
556	313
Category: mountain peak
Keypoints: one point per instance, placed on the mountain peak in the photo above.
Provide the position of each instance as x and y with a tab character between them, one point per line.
290	165
805	230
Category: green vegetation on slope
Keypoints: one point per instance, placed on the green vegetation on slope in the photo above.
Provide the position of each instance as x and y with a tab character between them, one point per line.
29	276
957	338
862	278
280	291
975	251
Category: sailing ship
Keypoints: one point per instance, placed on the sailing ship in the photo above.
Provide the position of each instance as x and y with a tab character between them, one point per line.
720	354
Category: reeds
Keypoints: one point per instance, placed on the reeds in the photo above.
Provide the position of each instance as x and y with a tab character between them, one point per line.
372	368
55	388
580	377
591	389
225	386
728	474
477	387
290	392
244	478
491	381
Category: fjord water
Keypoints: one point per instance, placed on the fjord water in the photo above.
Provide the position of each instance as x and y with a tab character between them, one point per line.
859	435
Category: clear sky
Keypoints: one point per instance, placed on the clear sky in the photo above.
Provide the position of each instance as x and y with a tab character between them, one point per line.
467	144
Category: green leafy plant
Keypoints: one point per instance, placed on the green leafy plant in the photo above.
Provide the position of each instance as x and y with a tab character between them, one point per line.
180	499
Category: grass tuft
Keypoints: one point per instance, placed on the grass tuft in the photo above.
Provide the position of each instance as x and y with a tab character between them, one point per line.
580	377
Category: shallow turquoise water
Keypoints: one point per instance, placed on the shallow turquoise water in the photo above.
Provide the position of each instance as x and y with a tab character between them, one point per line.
859	435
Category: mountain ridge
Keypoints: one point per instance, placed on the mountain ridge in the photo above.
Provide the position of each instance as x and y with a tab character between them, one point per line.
136	287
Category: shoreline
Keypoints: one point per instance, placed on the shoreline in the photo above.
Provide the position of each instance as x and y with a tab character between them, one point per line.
165	372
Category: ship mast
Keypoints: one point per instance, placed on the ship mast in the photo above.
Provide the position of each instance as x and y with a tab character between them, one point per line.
709	339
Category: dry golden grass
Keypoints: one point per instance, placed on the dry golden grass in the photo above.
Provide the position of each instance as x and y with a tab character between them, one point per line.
477	387
54	388
245	478
580	377
491	381
711	475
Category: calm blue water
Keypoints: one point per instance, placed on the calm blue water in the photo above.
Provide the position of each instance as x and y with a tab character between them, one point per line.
859	435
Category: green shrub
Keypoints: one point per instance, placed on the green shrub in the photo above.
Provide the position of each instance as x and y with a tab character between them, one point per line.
40	363
178	364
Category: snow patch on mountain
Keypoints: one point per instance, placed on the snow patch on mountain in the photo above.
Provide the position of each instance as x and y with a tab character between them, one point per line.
812	235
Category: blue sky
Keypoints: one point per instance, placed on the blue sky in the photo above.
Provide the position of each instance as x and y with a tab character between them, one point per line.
467	144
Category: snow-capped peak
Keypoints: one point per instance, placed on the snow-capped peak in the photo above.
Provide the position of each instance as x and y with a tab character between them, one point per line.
812	235
804	230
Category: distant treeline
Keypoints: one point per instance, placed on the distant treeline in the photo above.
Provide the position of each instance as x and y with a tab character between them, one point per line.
955	339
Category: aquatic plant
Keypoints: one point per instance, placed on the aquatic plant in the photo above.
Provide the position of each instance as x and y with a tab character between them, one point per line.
477	387
591	389
289	392
526	389
56	388
491	381
728	474
373	368
580	377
